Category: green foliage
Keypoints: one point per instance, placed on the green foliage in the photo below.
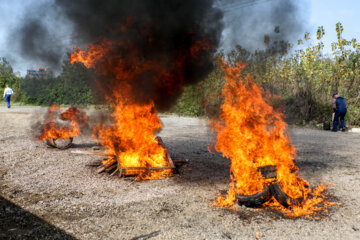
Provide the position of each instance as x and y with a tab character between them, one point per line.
201	98
189	103
7	77
307	78
70	87
304	79
6	73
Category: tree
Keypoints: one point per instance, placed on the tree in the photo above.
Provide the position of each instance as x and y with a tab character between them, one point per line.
7	77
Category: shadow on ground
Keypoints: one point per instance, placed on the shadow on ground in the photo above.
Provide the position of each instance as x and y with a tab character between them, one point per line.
17	223
203	167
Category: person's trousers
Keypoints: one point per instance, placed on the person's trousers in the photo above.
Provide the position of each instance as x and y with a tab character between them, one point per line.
7	99
341	116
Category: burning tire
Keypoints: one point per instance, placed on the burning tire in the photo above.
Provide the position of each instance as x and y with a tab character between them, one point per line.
274	189
282	197
255	200
60	143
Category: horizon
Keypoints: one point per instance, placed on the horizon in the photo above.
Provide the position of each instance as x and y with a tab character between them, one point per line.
315	13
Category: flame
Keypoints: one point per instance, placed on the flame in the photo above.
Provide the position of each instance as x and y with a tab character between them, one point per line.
89	58
129	66
253	134
50	130
127	70
131	139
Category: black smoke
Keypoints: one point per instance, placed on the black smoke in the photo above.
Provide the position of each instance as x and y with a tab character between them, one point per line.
36	41
159	29
96	18
42	37
254	24
157	32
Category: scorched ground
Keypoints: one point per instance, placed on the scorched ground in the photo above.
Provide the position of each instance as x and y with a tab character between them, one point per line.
59	187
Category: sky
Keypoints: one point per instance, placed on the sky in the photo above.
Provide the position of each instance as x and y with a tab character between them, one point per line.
11	14
324	13
327	13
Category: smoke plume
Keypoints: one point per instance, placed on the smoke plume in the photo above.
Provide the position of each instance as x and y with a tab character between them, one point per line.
42	37
160	31
151	48
252	23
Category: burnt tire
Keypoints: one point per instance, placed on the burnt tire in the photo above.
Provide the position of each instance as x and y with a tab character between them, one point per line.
50	142
255	200
64	144
282	197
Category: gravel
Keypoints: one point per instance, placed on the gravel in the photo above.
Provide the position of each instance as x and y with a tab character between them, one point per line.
63	190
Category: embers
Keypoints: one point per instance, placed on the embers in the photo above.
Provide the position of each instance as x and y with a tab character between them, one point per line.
114	167
273	189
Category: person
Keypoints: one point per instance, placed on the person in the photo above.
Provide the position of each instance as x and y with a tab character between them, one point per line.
333	106
340	112
7	95
334	102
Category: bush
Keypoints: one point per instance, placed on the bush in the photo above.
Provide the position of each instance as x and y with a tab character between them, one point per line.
70	87
305	79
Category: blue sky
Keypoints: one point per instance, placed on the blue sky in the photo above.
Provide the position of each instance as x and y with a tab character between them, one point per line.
328	12
11	13
317	12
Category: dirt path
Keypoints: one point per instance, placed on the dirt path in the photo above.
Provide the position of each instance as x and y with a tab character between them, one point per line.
63	190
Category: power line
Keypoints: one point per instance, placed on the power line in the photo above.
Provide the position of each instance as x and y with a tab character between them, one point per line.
243	4
236	4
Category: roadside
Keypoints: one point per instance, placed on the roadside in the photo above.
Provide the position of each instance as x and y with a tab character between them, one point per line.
61	187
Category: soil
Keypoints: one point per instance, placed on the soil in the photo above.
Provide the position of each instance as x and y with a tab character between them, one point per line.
49	193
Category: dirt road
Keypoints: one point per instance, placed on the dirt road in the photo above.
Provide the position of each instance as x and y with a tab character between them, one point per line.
60	189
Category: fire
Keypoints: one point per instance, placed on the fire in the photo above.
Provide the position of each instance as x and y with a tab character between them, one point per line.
253	134
136	74
131	139
88	58
50	130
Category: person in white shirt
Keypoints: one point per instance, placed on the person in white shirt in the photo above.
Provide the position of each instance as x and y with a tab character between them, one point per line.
7	95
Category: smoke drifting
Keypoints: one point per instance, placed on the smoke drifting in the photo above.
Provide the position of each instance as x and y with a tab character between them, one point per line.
150	49
95	18
166	33
42	37
248	21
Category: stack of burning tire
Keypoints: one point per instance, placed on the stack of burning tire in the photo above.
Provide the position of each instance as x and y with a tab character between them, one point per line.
271	190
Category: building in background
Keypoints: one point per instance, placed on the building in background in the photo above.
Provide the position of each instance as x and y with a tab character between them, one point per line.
17	74
41	72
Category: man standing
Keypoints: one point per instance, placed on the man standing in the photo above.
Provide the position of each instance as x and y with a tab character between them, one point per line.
333	106
7	95
340	112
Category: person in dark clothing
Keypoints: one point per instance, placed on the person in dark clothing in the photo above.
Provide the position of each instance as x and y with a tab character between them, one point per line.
340	112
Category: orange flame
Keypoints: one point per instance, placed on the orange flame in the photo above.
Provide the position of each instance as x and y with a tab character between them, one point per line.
94	53
131	139
134	80
50	130
253	134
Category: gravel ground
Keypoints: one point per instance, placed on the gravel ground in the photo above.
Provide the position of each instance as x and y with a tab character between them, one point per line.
61	189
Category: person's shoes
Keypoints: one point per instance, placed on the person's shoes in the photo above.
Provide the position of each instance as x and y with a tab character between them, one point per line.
334	130
343	130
